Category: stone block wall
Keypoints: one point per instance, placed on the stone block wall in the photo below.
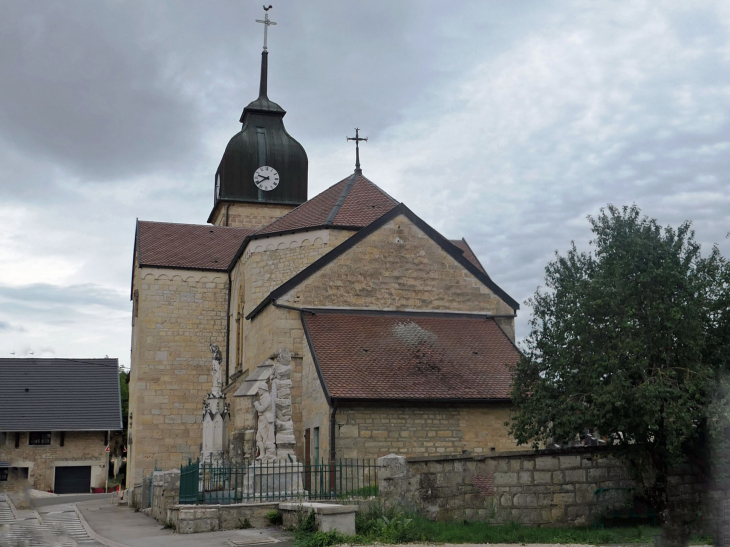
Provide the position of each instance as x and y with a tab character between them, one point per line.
397	267
189	519
538	489
165	493
270	262
374	430
177	315
248	215
79	448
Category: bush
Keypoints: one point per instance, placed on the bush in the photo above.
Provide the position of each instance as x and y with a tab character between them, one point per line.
275	517
244	524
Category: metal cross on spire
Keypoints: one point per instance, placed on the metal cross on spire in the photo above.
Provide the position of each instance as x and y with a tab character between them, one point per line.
357	138
266	24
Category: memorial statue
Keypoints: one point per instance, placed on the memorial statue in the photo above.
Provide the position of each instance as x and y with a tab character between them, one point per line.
266	412
216	371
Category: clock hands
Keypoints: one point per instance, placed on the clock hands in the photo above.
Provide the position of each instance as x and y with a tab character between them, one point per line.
263	178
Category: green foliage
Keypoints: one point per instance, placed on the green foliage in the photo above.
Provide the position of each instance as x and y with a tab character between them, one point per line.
124	393
244	524
275	517
626	340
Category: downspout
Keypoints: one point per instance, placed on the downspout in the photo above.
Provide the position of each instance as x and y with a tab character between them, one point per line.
228	206
333	449
228	318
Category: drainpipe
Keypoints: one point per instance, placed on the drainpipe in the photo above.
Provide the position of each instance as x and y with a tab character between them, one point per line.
333	445
228	319
227	207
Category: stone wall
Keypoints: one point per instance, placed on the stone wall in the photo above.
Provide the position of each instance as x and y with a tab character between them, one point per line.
315	410
397	267
189	519
248	215
539	489
79	448
165	493
270	262
411	429
178	314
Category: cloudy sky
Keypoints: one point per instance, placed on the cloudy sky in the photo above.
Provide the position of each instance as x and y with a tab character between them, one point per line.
503	122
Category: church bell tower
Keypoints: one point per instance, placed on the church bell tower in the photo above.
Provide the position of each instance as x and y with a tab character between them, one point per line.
263	172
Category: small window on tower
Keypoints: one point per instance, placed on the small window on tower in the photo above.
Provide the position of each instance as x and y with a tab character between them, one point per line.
38	438
3	473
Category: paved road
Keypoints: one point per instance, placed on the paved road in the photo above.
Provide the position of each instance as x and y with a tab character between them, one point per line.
121	524
54	525
37	503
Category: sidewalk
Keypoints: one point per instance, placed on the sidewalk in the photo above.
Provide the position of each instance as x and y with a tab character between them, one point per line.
121	525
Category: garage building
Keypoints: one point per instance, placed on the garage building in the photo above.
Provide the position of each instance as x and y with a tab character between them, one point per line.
57	417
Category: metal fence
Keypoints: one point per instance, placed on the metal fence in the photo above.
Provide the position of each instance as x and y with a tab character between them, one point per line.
259	481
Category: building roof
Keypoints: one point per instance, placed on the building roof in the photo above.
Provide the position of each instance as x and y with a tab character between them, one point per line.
190	246
60	395
354	202
468	253
376	355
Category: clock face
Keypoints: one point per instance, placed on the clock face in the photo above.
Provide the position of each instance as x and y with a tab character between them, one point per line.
266	178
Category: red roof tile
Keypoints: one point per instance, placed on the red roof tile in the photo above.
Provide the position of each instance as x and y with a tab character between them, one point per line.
352	202
192	246
418	356
468	253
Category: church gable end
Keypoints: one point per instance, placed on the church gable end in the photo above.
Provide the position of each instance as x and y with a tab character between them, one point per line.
397	263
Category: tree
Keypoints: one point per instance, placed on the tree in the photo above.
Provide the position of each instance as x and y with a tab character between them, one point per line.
124	392
622	341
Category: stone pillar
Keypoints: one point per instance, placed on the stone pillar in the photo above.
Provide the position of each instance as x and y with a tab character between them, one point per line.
393	480
216	416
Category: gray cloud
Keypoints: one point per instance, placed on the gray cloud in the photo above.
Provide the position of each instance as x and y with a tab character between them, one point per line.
503	123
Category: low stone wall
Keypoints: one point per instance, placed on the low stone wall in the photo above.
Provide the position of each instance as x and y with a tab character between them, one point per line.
189	519
534	488
165	493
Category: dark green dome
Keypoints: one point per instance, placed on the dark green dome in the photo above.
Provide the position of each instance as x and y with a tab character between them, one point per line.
262	141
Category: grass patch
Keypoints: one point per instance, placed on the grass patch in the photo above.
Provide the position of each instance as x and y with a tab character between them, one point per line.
377	525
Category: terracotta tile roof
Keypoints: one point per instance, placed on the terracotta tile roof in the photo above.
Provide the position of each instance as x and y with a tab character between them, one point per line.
468	253
416	356
352	202
194	246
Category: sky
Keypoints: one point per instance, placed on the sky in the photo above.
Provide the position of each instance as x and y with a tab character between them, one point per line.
506	123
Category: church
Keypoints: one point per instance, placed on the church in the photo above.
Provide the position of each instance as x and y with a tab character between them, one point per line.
395	338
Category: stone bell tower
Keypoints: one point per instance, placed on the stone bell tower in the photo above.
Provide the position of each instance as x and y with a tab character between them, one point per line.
263	172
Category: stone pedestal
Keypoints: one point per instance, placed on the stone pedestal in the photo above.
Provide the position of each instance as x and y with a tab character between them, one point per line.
216	417
275	480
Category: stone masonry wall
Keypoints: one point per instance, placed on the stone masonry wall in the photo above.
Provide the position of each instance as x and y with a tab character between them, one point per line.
249	215
178	314
398	267
374	430
268	263
539	489
41	460
315	410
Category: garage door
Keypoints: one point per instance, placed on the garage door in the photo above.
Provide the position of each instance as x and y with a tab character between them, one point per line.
73	480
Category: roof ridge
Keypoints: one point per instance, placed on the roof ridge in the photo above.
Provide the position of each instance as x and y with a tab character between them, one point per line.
301	205
340	200
192	225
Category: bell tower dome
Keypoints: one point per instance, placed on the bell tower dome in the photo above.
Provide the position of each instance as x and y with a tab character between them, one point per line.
263	172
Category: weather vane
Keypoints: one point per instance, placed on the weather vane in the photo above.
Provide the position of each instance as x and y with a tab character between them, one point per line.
357	138
266	24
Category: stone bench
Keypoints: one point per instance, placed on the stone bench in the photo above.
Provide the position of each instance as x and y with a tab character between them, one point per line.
328	516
